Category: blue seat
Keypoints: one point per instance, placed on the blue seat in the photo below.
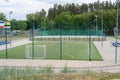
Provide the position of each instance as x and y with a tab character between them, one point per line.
116	44
4	42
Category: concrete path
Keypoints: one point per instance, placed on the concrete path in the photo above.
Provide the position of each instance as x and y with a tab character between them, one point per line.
52	63
15	43
58	65
108	50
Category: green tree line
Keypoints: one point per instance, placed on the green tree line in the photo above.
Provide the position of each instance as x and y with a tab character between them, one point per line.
74	16
70	16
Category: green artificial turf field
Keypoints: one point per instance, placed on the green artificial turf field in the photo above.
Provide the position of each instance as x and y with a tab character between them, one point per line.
69	50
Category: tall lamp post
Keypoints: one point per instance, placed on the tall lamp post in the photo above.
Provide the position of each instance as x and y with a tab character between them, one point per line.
10	26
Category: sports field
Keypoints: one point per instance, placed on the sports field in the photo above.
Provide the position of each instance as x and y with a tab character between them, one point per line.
70	50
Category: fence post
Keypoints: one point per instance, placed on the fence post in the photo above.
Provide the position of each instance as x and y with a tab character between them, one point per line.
60	44
89	45
6	43
33	38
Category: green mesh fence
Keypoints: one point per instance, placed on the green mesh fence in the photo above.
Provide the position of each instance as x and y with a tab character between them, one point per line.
70	32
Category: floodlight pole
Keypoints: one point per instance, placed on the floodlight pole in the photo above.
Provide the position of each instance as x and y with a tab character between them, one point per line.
10	26
116	49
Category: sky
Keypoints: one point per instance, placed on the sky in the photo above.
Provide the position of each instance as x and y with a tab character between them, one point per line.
20	8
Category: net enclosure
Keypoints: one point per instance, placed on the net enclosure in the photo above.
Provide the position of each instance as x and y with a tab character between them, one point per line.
70	32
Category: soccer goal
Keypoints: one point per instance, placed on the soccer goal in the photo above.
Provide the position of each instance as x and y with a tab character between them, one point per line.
39	51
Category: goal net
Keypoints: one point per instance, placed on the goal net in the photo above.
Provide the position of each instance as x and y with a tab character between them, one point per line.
39	51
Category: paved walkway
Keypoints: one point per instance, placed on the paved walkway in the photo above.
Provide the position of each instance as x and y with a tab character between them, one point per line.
53	63
15	43
108	50
58	65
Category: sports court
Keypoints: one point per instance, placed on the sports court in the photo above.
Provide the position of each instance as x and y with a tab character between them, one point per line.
70	50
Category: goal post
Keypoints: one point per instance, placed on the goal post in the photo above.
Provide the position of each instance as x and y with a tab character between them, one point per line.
39	52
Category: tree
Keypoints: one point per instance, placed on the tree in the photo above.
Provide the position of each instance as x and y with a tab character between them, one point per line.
60	9
18	24
97	5
84	8
42	13
64	20
3	17
38	19
50	14
91	7
72	8
29	20
74	16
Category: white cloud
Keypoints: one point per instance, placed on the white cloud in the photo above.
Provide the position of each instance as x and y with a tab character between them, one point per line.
71	1
22	7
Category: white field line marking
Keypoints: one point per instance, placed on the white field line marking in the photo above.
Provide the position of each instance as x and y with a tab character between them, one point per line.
71	56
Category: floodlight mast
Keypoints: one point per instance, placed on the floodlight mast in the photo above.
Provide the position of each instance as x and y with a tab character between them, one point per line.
10	27
116	49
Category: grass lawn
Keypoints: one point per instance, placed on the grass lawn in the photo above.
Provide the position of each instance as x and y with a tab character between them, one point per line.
47	73
71	76
115	37
70	50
